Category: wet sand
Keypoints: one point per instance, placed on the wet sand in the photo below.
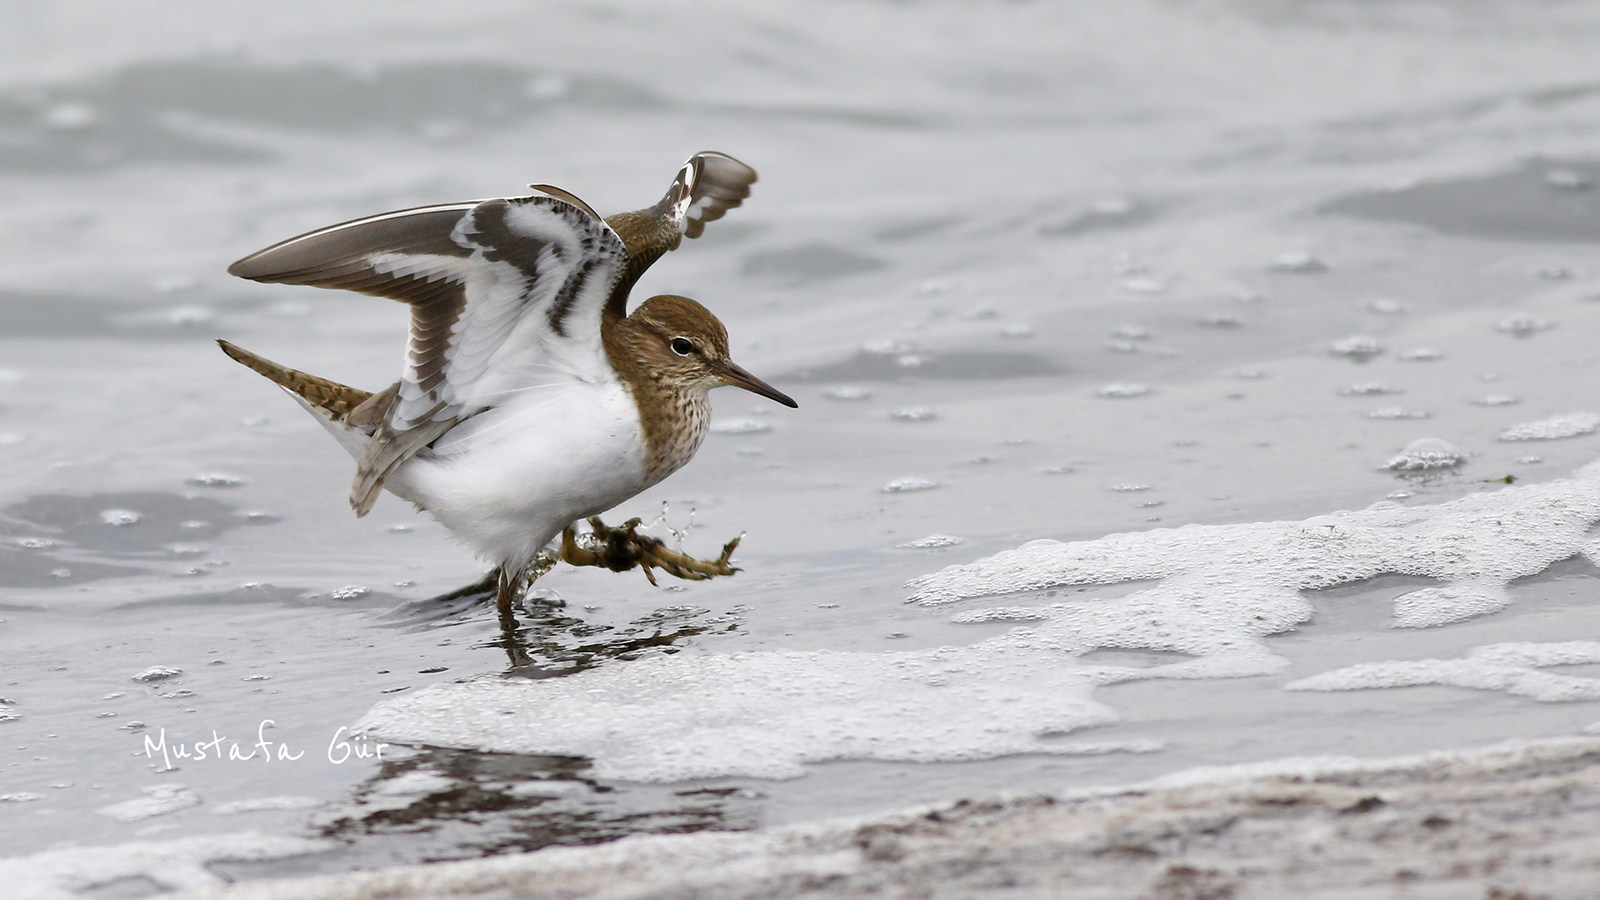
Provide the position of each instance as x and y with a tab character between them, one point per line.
1515	821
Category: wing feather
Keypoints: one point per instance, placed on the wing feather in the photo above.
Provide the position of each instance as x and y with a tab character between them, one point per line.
330	257
707	186
718	183
498	289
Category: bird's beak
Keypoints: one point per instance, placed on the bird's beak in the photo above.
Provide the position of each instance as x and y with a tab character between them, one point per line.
734	374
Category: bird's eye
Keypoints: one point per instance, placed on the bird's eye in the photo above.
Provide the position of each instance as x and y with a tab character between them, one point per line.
682	346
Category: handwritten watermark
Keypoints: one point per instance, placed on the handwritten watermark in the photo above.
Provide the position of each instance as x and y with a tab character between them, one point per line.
343	747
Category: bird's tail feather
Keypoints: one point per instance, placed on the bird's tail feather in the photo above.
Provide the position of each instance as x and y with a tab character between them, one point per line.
335	400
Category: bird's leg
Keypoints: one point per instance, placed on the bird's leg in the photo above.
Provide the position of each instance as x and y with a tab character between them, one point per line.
620	549
508	588
510	584
483	586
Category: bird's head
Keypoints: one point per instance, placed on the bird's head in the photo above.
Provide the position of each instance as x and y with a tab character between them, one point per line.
684	343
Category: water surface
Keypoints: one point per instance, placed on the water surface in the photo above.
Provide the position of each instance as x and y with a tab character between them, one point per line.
1032	271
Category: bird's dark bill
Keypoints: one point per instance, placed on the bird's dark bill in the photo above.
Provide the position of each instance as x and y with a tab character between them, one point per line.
735	375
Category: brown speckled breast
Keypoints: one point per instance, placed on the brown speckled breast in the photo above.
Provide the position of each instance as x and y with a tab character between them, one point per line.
673	439
673	417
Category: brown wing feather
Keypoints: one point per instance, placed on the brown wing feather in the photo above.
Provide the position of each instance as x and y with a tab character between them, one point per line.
707	186
415	256
720	184
544	252
561	194
339	256
385	452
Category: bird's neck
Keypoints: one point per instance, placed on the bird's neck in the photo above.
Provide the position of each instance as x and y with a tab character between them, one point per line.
674	417
646	234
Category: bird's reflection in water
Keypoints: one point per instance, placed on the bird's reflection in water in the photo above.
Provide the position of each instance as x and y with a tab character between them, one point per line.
439	804
430	803
545	641
542	640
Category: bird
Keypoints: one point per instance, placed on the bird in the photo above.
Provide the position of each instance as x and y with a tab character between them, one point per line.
531	398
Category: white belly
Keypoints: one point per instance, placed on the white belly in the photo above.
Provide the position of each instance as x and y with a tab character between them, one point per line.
508	480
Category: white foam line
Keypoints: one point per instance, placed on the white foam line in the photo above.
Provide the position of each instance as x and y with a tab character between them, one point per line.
1508	668
1220	591
172	865
764	714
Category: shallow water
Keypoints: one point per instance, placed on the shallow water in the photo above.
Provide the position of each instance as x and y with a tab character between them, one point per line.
1032	272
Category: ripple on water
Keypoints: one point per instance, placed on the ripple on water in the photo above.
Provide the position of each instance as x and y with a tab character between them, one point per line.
906	485
1426	454
876	365
1368	389
120	532
1398	412
157	673
1522	205
1524	326
932	542
1358	347
1123	390
217	479
739	426
1298	262
1571	425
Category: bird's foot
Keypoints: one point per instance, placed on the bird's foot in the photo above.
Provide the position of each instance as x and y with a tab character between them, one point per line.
620	549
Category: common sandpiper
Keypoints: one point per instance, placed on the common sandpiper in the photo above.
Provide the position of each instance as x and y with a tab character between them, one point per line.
531	399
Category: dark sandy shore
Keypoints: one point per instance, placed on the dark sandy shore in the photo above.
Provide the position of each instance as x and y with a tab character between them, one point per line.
1516	821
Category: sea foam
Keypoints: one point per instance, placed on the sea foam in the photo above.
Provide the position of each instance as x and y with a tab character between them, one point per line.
1217	593
171	865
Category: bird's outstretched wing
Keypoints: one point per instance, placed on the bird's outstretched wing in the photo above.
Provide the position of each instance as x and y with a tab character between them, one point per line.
503	294
707	186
